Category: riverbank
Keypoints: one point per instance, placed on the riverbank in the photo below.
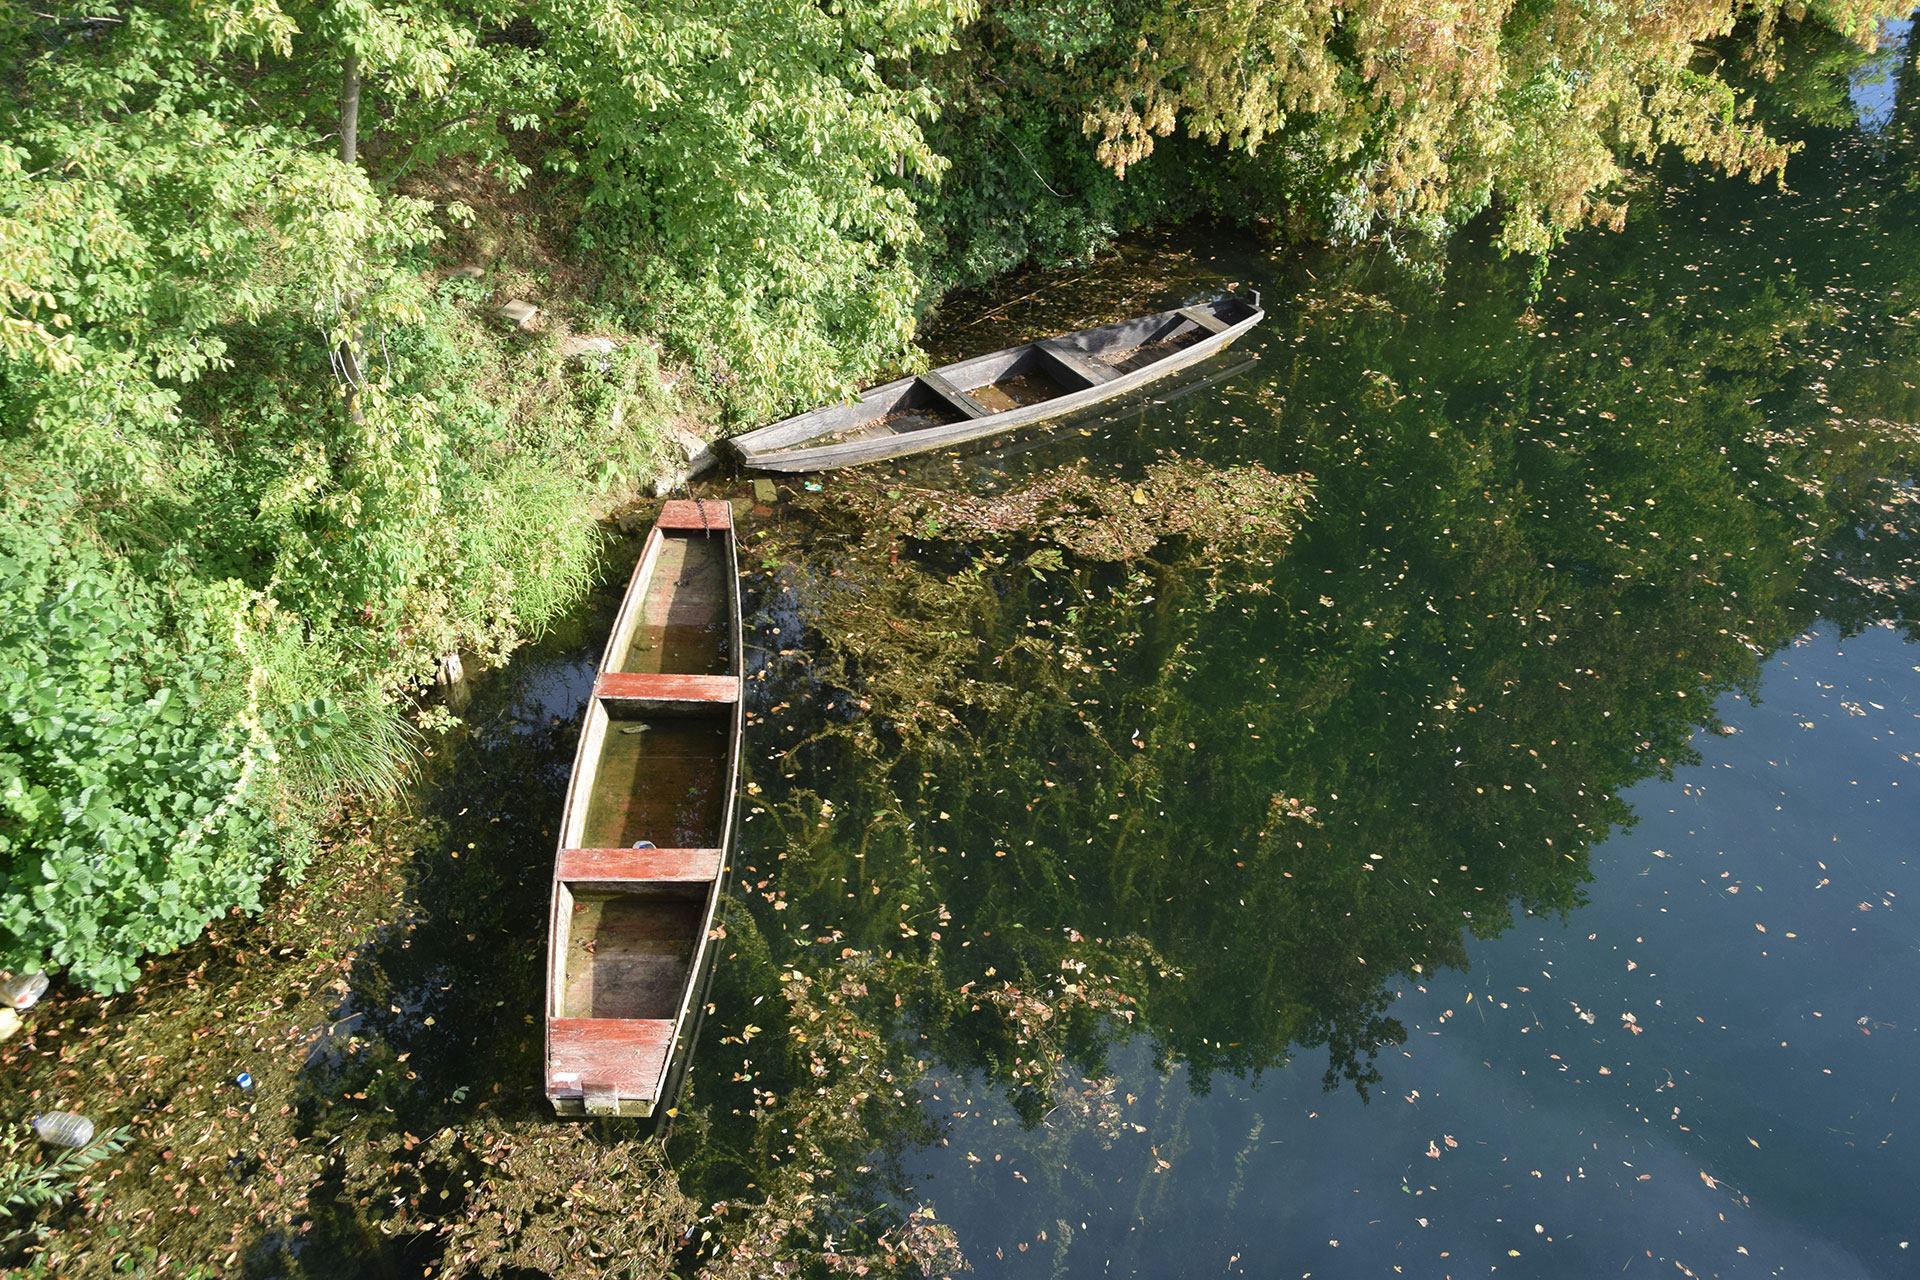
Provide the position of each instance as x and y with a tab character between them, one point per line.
311	405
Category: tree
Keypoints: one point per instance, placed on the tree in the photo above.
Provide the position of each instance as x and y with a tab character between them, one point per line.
754	159
1386	116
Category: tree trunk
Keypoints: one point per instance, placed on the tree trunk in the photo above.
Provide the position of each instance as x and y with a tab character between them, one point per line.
1902	132
350	110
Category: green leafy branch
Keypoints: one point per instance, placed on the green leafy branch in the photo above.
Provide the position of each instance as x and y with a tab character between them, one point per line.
31	1188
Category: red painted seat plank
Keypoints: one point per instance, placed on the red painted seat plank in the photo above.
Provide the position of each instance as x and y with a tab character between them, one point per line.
667	688
624	1054
638	864
682	514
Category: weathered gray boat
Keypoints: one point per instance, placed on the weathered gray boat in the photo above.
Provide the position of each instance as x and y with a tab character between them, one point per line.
646	835
997	392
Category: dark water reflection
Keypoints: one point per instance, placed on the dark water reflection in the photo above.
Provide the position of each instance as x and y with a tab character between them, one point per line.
1586	1075
1593	668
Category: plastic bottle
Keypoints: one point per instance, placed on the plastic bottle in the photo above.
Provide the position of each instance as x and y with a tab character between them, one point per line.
24	990
63	1129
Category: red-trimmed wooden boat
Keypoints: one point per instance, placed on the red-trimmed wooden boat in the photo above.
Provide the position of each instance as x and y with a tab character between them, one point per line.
645	838
997	392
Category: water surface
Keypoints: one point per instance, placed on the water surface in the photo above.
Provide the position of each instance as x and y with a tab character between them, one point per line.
1511	877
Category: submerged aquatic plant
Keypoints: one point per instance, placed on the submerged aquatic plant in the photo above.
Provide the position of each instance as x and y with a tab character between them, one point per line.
33	1185
1094	518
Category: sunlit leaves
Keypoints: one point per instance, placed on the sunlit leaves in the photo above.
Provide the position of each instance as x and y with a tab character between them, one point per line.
1433	111
132	803
754	155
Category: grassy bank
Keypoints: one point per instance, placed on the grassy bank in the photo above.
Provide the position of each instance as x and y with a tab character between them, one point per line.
202	655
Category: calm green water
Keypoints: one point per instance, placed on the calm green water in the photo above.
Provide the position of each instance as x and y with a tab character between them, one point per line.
1594	666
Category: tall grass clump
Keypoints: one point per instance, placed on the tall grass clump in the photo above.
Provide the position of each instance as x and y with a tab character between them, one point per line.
334	730
531	525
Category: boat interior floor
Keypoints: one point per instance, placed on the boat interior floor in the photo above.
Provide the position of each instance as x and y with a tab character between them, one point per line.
1031	387
898	423
628	955
683	628
1154	352
661	778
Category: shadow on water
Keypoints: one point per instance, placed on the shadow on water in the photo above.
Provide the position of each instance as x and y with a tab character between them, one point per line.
439	1022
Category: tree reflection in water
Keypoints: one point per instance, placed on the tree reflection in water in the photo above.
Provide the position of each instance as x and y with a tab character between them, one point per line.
1251	792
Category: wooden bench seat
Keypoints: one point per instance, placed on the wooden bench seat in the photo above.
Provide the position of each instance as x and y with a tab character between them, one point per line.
699	516
647	686
1079	362
1205	319
953	395
603	1060
637	866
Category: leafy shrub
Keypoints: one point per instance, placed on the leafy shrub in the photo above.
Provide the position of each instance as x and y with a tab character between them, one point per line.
132	804
751	162
1025	188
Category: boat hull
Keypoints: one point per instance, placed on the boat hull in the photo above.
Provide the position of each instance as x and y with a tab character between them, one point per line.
646	833
1004	390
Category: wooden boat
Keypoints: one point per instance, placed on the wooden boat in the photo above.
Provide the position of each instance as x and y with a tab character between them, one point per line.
995	457
997	392
646	833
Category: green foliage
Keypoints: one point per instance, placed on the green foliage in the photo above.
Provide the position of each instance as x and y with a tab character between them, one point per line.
331	736
1062	29
533	528
226	578
757	156
132	807
1344	123
1025	187
149	212
30	1188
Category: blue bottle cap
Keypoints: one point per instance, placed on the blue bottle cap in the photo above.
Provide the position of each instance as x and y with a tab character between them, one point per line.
244	1080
